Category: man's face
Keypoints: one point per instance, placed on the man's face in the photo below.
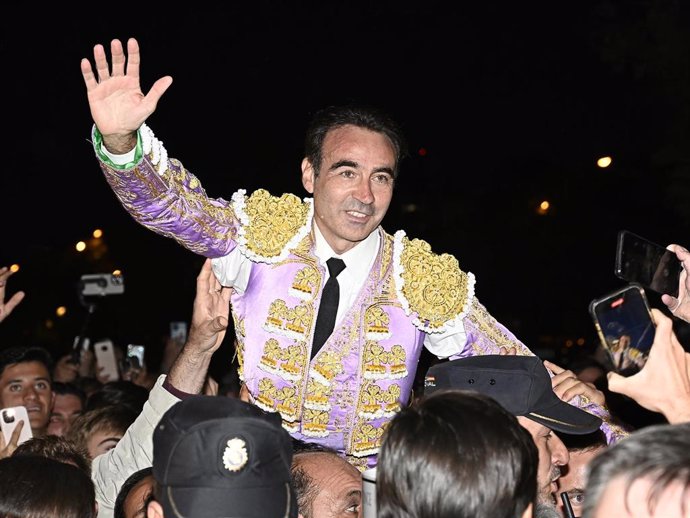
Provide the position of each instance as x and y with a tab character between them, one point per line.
65	410
353	189
574	478
339	485
28	384
552	455
622	502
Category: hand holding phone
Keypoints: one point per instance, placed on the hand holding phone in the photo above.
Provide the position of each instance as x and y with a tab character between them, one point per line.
106	360
623	321
10	419
644	262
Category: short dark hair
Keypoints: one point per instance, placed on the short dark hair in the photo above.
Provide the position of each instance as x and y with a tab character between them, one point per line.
109	418
14	355
69	389
658	453
333	117
589	441
118	393
129	484
455	453
56	448
40	487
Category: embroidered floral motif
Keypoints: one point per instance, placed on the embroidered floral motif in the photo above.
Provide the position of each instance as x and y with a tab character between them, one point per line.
306	282
367	439
271	225
376	322
327	368
283	400
491	338
431	287
291	322
315	423
380	364
288	362
376	402
317	396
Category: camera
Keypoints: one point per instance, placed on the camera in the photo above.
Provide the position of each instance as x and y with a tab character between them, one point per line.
101	284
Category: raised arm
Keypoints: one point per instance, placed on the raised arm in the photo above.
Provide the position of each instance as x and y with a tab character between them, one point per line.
118	106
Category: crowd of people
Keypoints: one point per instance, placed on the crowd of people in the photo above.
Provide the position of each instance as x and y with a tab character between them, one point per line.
330	314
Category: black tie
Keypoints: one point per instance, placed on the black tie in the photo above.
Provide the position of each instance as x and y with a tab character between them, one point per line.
325	321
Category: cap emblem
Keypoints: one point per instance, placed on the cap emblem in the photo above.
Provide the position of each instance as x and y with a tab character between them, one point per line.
235	456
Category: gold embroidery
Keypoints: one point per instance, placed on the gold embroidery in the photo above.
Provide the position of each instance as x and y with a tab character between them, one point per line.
367	439
380	364
376	403
317	396
273	222
376	322
315	423
328	367
397	358
283	400
306	282
487	326
434	286
291	322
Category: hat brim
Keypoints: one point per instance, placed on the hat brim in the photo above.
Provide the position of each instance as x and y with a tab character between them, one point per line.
566	418
277	501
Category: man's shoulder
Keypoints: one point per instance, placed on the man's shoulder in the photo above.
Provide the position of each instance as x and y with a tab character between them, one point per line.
432	287
270	225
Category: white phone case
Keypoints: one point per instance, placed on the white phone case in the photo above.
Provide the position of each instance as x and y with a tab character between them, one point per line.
9	418
105	357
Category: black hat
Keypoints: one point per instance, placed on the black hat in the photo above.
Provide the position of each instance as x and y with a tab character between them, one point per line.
521	384
221	457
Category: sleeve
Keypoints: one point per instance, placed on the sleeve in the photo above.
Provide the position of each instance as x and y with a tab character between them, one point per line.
160	194
132	453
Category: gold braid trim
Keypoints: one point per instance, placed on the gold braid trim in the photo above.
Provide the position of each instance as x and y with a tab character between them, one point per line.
432	287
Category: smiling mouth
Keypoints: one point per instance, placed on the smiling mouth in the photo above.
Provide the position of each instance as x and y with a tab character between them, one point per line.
357	214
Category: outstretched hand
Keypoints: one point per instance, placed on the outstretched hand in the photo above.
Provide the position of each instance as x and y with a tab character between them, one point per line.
663	384
118	106
7	307
680	306
567	385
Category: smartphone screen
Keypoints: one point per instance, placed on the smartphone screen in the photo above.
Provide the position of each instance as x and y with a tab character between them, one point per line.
646	263
624	324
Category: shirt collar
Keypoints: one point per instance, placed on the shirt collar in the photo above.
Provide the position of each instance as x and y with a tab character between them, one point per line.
358	259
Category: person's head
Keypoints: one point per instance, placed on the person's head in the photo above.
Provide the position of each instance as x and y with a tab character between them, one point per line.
25	380
118	393
455	453
645	475
352	157
582	449
38	487
98	431
56	448
327	486
216	456
134	495
522	385
69	403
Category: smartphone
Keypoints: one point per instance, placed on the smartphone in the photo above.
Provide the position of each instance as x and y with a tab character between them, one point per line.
646	263
178	332
623	321
9	418
135	356
104	351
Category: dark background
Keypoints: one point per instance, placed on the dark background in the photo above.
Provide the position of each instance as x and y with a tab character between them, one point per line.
511	102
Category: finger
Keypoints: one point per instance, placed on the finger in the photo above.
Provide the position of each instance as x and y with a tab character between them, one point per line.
562	376
101	63
203	284
14	438
133	58
156	92
13	302
672	303
5	273
87	74
618	383
118	57
568	384
553	367
219	324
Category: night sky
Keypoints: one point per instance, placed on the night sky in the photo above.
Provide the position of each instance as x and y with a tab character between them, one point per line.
511	103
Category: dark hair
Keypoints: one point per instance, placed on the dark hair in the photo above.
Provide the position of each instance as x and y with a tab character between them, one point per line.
69	389
333	117
129	484
455	454
15	355
306	488
110	418
38	487
584	442
118	393
657	453
56	448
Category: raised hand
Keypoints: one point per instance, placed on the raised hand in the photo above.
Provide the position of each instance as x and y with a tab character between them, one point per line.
567	385
210	314
118	105
7	307
680	306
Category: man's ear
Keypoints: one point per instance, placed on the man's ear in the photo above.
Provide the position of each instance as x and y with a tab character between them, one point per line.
308	176
154	510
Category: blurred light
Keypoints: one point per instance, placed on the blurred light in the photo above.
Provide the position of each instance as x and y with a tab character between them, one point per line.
543	208
81	246
604	161
422	151
98	233
568	343
49	324
14	268
61	311
409	207
117	272
580	341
